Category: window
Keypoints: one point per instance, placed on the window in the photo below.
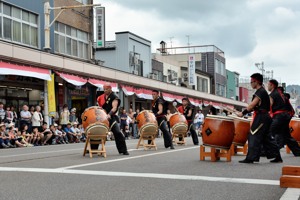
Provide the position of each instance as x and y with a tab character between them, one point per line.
202	84
18	25
71	41
220	90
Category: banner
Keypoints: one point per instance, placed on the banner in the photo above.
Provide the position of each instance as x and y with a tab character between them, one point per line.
192	70
51	97
100	27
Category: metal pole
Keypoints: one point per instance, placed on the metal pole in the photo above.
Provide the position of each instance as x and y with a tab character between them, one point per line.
47	26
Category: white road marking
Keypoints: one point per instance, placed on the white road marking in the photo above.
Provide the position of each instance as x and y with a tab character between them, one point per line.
127	158
143	175
290	194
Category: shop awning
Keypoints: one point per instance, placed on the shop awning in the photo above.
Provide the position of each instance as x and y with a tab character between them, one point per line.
13	69
143	93
75	80
100	84
128	90
168	97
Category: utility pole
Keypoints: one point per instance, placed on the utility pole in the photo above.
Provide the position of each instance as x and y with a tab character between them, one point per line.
47	10
188	43
260	66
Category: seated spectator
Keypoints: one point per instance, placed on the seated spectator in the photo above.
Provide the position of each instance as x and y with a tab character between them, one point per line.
20	140
47	134
58	134
81	129
28	137
59	130
3	138
76	131
71	135
36	136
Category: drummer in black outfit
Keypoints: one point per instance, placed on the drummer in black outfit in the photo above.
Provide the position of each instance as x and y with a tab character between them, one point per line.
110	102
188	111
281	118
159	112
259	131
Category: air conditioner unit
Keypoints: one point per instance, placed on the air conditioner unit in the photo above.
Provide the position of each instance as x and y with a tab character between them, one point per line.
153	76
180	80
136	72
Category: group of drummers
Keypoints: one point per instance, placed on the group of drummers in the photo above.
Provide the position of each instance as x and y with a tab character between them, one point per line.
268	133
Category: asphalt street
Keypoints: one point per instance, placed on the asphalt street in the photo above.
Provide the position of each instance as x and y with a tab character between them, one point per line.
61	172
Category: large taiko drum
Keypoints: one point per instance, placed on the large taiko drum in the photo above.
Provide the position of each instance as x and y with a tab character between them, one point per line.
218	131
295	128
178	122
147	124
92	115
241	130
145	117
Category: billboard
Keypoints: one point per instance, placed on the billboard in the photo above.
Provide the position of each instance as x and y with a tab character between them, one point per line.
100	26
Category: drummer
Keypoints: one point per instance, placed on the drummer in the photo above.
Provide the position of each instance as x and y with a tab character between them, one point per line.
259	131
159	111
281	118
188	111
110	102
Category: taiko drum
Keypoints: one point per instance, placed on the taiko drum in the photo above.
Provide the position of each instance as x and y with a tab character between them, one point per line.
176	119
145	117
241	130
295	129
92	115
218	131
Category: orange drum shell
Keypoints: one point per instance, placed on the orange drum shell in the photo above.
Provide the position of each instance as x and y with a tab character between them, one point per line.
295	126
145	117
241	131
177	118
94	114
222	133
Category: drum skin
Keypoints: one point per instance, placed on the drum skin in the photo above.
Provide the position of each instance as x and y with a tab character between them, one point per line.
177	118
241	131
295	129
145	117
92	115
218	131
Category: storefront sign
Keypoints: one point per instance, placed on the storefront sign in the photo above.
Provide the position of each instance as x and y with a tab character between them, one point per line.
192	70
100	27
51	97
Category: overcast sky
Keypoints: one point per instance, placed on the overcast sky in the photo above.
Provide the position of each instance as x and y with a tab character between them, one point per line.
248	31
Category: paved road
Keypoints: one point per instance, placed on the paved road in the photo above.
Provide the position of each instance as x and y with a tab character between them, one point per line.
61	172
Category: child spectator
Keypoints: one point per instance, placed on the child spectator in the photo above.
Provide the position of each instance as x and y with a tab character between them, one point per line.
81	129
71	135
36	136
58	134
3	139
46	133
76	132
60	131
28	137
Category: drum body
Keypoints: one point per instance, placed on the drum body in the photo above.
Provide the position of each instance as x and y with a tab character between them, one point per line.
241	130
178	123
218	131
295	128
93	115
145	117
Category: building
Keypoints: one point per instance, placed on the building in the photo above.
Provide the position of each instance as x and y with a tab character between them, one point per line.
208	59
232	86
27	69
128	53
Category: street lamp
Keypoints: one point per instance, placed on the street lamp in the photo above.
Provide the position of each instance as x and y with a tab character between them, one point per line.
47	10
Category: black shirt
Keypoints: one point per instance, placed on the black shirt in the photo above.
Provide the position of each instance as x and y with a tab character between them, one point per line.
155	104
264	105
278	101
107	106
186	112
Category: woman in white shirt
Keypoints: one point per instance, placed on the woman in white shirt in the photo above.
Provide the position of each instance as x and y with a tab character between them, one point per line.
37	118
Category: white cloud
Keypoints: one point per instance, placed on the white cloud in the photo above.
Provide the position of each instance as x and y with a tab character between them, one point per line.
247	31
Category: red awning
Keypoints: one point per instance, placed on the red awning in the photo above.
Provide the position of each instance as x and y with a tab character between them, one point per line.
75	80
143	93
128	90
168	97
13	69
100	84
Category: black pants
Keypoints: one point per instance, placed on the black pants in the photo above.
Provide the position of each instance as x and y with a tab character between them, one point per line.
281	131
193	133
261	137
119	137
164	129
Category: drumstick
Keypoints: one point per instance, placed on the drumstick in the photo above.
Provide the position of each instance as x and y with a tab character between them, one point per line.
174	105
